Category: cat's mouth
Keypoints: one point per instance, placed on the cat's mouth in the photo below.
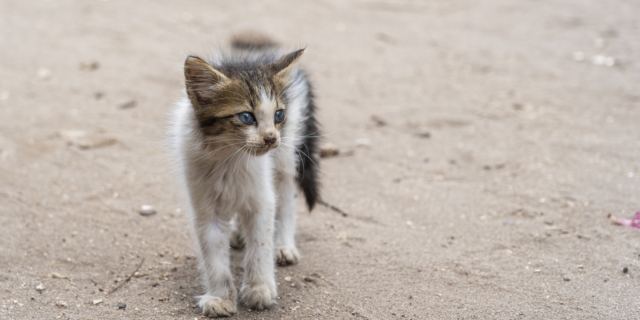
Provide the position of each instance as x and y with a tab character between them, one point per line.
261	150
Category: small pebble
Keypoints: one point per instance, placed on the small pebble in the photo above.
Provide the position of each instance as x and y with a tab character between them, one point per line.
122	305
598	60
90	66
97	301
288	279
423	134
601	60
625	270
363	142
72	136
61	304
378	120
147	210
40	287
609	61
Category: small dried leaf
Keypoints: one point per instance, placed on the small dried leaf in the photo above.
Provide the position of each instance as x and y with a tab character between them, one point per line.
328	150
128	105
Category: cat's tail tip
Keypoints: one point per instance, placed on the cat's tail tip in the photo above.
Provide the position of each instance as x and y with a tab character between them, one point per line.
252	40
308	165
309	186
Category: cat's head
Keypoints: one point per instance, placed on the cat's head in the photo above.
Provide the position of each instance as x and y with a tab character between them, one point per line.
240	106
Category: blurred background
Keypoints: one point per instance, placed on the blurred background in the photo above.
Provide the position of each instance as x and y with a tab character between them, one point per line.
480	147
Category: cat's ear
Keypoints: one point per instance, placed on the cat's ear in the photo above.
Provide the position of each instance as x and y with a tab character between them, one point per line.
201	80
284	65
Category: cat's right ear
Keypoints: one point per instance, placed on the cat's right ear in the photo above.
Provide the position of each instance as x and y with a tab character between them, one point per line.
201	81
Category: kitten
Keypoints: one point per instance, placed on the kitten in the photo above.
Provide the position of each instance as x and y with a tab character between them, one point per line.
243	134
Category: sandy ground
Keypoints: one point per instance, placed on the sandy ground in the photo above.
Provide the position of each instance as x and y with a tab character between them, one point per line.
500	213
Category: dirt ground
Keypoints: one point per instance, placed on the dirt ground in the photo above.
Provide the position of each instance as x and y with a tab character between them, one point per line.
501	135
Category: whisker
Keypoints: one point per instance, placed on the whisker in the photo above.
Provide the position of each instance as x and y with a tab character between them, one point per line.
211	152
288	145
231	158
239	161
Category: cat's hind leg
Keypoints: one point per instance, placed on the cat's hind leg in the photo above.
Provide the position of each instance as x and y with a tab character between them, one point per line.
286	252
237	238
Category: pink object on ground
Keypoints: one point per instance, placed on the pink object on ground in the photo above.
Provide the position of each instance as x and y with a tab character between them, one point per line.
634	223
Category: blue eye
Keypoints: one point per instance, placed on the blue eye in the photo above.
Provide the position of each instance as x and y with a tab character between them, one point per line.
279	116
246	118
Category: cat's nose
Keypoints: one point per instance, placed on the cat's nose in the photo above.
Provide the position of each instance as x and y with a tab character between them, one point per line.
269	140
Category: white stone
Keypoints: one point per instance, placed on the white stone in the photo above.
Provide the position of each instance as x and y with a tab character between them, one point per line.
147	210
363	142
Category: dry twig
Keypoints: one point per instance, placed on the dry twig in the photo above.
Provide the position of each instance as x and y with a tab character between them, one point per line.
332	207
127	279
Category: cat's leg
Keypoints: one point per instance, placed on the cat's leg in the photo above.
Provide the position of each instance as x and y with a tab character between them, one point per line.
237	238
213	243
286	252
259	285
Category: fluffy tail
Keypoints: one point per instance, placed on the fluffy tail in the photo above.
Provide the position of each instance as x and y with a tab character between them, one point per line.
308	165
252	41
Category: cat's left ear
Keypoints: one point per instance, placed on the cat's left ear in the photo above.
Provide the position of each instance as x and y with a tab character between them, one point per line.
284	65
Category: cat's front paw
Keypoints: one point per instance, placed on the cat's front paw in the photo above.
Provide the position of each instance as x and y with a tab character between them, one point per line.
214	307
286	256
260	296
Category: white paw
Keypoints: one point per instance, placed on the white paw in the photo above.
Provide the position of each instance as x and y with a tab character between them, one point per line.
215	307
259	296
286	256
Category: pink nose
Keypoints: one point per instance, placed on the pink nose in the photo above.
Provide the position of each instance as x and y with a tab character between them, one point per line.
269	141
